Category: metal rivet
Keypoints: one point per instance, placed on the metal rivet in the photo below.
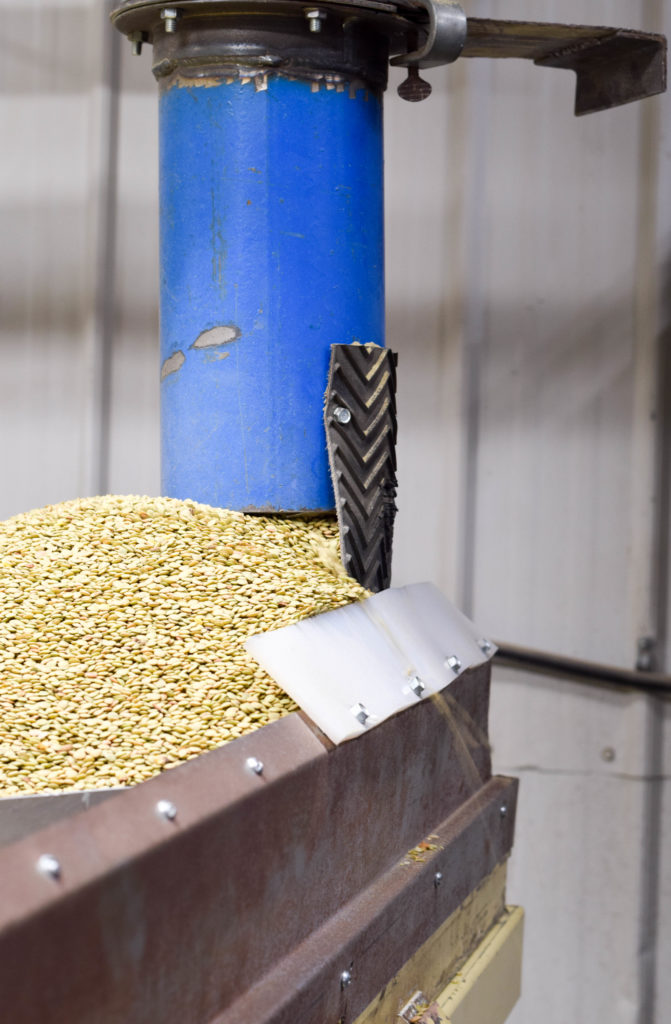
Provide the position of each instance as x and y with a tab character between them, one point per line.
169	16
361	713
608	754
345	979
49	866
454	663
166	809
136	40
417	686
341	414
254	765
503	810
315	18
485	646
437	878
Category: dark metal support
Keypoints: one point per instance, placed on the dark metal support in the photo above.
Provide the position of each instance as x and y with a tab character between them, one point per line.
545	663
244	885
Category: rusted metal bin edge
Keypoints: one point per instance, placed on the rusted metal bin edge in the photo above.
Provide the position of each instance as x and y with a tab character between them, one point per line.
335	974
172	920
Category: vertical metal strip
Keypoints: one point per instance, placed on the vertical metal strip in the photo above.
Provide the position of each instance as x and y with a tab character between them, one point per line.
649	577
105	103
478	91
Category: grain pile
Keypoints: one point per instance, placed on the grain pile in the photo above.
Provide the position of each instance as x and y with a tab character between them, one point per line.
122	622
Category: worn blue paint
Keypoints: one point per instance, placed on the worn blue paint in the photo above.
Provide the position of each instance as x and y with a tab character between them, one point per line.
271	227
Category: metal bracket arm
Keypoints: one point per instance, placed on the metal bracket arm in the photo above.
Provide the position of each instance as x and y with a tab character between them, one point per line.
445	38
613	66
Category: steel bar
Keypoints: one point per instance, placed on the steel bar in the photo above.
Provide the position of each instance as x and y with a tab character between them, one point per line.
545	663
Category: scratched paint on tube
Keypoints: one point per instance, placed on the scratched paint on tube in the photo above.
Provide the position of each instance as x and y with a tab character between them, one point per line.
172	364
222	335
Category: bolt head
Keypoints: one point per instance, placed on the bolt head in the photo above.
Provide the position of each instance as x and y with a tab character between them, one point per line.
345	979
485	646
49	866
136	40
438	878
503	810
169	16
417	686
254	765
361	713
454	663
166	809
341	414
315	18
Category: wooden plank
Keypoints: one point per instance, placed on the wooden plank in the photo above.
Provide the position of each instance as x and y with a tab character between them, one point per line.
488	985
430	969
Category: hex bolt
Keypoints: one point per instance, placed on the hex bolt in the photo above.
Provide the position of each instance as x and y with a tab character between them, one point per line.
254	765
315	18
361	713
136	40
341	414
417	686
485	646
166	809
454	663
49	866
169	16
438	878
345	979
503	810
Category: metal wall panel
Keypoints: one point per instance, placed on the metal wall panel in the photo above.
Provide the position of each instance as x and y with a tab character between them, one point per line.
527	257
134	402
562	535
51	110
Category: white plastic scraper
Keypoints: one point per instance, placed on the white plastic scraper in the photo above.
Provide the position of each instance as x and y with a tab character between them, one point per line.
351	668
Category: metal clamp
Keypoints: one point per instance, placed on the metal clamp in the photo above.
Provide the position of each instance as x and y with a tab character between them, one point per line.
445	40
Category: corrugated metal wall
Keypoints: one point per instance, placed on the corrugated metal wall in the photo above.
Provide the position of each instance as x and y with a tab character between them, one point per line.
528	258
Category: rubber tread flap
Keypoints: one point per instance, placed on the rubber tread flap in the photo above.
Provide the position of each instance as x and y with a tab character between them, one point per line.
360	419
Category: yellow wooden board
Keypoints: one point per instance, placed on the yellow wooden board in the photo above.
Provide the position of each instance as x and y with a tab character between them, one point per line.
488	985
435	963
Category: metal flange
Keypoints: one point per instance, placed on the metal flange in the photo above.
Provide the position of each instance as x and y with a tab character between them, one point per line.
613	66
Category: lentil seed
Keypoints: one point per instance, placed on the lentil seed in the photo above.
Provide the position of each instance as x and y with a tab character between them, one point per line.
122	623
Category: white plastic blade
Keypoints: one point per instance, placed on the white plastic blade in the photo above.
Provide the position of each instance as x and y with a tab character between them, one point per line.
351	668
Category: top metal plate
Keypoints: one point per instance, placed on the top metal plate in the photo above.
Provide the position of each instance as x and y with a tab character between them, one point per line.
613	66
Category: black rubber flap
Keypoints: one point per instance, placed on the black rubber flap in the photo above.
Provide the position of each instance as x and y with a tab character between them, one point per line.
360	418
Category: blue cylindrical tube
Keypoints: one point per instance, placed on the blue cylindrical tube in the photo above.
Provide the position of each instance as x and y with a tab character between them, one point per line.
271	251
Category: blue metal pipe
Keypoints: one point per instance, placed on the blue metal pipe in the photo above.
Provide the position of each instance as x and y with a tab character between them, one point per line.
271	251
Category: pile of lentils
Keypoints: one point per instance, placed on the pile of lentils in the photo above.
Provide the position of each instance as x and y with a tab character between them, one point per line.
122	624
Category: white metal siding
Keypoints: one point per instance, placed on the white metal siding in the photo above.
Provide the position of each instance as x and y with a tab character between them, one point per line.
528	297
